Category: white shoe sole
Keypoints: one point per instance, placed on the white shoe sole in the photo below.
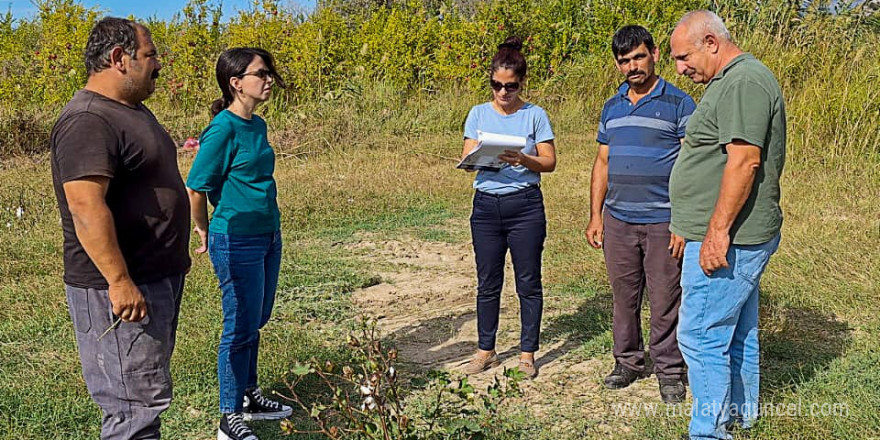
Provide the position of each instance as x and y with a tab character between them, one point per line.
222	436
277	415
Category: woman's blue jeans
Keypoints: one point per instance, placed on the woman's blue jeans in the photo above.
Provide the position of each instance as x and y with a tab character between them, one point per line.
247	267
718	336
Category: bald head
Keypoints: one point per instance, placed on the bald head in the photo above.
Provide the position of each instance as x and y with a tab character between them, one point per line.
701	45
697	24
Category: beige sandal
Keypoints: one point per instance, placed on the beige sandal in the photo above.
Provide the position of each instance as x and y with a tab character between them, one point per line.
529	368
479	364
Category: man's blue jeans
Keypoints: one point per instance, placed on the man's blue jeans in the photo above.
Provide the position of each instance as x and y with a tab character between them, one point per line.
247	267
718	336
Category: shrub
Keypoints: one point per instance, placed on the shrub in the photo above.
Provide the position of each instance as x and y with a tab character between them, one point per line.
366	399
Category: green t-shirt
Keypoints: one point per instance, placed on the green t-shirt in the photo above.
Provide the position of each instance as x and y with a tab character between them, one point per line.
234	167
742	102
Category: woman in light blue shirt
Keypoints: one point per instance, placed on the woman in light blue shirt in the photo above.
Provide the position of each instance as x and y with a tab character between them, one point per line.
508	210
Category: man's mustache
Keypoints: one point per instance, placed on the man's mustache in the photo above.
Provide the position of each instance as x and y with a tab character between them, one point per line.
634	73
155	74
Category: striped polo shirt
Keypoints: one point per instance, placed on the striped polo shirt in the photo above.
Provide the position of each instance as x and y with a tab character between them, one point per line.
643	142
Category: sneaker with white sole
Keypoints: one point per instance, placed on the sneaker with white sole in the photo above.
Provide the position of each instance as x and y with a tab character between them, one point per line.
259	407
232	427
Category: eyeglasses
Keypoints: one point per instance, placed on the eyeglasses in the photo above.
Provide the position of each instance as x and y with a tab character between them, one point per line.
262	74
497	86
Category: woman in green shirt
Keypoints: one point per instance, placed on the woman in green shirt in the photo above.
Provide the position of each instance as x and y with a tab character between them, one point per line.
233	170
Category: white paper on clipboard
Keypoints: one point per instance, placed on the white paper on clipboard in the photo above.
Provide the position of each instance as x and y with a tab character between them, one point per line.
485	155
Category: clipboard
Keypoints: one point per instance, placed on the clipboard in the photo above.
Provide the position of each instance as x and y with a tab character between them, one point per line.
484	157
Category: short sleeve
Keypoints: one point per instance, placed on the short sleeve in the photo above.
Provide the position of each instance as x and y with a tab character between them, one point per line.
85	145
543	130
601	134
213	159
685	109
472	124
744	113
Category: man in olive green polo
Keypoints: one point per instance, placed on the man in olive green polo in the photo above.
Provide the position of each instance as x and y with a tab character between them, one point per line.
724	190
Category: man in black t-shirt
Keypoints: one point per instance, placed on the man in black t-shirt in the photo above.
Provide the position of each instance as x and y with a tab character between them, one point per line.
125	218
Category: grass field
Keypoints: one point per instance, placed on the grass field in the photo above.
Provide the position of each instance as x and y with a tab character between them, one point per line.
820	308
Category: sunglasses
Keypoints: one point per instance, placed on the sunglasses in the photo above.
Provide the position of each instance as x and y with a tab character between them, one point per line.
497	86
262	74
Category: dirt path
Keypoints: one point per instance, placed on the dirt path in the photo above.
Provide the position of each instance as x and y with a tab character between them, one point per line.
426	305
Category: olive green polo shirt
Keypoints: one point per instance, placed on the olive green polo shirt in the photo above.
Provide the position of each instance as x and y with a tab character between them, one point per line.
743	102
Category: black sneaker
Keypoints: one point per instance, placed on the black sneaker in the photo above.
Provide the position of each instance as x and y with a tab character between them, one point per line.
232	427
672	390
621	377
259	407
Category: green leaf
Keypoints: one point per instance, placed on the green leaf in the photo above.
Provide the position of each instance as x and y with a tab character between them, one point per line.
455	425
300	370
466	388
514	374
473	426
438	375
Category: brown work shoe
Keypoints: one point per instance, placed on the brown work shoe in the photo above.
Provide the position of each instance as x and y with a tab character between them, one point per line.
529	368
478	364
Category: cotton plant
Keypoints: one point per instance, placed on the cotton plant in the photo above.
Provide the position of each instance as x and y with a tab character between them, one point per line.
367	401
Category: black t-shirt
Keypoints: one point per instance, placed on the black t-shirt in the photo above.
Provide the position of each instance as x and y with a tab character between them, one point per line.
97	136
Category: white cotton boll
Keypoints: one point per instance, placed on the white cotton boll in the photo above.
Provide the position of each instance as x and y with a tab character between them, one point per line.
369	403
19	212
365	390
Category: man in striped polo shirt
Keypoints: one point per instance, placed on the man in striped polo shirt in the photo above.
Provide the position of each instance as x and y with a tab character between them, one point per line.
640	132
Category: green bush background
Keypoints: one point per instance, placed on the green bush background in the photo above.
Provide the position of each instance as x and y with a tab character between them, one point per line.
382	56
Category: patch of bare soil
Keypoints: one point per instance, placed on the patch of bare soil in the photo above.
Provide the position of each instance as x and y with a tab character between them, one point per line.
426	304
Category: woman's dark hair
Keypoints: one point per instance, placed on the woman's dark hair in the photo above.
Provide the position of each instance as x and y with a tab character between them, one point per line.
510	57
233	64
